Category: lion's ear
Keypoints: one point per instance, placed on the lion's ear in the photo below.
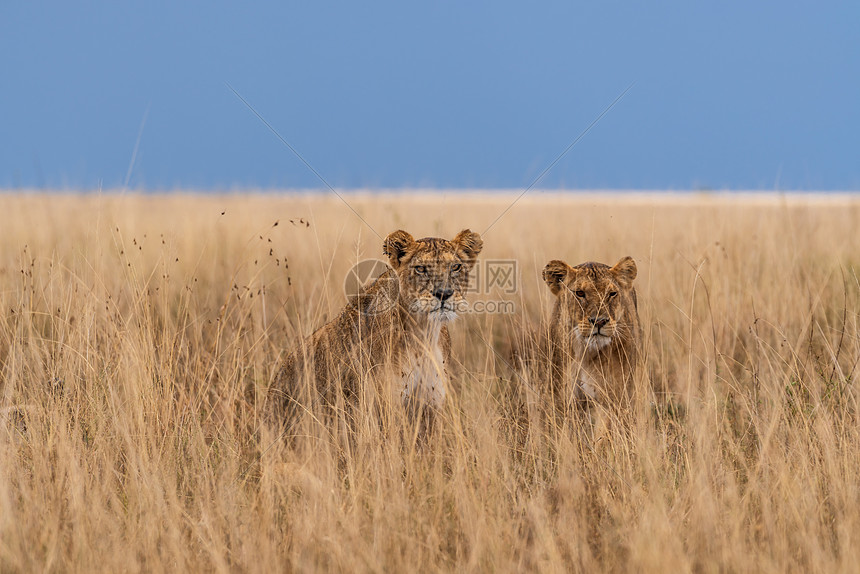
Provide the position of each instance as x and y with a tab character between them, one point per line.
554	274
468	244
395	246
625	271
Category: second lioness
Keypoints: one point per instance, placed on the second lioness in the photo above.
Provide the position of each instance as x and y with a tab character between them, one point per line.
594	331
393	336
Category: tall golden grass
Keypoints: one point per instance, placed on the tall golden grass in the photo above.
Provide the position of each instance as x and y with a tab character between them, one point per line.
138	335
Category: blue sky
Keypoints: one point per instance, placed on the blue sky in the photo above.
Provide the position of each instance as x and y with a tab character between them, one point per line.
759	95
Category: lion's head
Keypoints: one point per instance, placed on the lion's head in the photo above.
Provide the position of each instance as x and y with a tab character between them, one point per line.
600	300
433	273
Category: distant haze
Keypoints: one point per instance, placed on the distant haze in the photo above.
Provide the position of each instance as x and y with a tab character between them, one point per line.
432	94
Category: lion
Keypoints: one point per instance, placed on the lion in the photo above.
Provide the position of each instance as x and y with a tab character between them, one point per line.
594	332
391	338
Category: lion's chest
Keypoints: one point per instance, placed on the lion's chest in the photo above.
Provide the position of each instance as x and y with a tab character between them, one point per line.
585	383
600	378
586	375
422	377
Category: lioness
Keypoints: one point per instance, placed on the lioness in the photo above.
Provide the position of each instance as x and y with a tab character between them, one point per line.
594	331
392	337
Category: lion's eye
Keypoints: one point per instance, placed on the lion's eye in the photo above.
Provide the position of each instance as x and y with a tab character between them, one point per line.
420	269
580	294
612	294
455	268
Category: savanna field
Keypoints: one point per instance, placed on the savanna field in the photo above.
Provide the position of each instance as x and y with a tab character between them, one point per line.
139	334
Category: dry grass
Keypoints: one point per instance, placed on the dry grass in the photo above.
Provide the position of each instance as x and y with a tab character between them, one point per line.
137	335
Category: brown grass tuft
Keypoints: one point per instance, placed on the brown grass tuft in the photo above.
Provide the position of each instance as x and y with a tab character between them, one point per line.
139	333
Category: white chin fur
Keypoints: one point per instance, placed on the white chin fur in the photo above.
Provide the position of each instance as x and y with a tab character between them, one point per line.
443	316
435	311
593	343
597	342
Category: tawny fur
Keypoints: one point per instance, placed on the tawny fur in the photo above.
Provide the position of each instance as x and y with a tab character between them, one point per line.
594	333
392	338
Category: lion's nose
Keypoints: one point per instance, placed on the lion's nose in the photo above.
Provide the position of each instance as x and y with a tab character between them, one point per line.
599	322
443	294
